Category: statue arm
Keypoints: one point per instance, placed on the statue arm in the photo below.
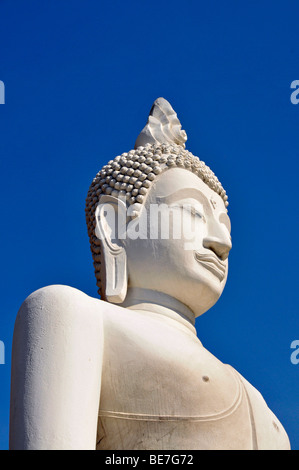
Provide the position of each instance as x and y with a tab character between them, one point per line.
269	432
56	371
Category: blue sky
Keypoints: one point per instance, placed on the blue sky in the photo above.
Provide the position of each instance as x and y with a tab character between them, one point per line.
80	78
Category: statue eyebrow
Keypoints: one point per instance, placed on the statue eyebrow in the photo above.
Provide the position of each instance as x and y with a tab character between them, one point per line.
183	194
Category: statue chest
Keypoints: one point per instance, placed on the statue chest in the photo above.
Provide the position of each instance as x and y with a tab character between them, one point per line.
162	390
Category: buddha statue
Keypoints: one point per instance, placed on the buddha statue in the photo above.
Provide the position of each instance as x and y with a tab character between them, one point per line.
128	372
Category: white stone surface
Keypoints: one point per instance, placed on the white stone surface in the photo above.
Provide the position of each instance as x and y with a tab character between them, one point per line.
162	126
130	372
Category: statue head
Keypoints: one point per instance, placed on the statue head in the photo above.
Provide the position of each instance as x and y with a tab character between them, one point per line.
157	219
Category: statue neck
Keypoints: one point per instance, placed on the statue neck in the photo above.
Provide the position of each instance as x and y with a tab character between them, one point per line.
158	302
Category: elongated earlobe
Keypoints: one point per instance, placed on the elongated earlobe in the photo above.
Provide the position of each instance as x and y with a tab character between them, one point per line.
111	218
115	277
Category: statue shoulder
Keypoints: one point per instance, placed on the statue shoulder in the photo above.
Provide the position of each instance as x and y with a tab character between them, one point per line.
56	293
270	434
62	304
57	356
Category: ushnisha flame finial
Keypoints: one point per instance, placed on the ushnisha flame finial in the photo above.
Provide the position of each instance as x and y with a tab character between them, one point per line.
163	126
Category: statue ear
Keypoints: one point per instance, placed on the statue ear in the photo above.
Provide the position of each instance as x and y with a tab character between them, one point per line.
110	229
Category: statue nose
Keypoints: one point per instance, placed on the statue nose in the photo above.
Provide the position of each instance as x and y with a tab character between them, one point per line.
221	247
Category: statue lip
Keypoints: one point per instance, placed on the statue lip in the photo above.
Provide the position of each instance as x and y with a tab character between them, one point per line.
213	264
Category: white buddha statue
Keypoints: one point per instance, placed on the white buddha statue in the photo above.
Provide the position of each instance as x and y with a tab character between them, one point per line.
128	371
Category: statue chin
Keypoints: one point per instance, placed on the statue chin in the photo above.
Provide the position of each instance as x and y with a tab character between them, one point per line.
208	296
201	295
198	289
211	291
188	276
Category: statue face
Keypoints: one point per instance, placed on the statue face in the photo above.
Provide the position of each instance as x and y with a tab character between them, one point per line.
190	260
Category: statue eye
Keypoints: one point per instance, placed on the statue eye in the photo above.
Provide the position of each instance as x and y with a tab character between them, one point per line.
197	214
194	210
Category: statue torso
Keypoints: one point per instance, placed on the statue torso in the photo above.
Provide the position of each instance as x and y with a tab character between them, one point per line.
161	389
